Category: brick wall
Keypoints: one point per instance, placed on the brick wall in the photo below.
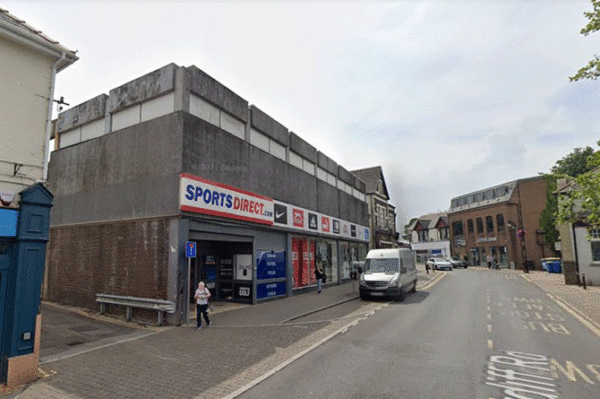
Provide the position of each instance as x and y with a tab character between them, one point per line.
121	258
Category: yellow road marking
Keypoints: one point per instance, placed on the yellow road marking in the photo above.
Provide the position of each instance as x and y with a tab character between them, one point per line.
489	316
575	314
433	282
489	328
490	344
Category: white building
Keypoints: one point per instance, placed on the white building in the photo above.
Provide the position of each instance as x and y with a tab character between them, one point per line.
430	236
29	62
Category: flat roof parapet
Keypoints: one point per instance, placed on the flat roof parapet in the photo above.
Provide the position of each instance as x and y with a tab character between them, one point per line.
208	88
326	163
346	176
301	147
86	112
142	89
269	126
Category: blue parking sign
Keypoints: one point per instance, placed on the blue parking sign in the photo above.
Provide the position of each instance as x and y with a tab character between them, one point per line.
190	249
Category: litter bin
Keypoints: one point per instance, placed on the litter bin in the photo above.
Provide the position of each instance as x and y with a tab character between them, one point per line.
554	267
551	265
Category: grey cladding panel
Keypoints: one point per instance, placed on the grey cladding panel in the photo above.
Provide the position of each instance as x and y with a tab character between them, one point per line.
360	185
143	89
327	163
205	86
269	126
301	147
86	112
345	176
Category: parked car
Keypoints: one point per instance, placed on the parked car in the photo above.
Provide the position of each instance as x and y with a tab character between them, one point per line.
457	262
439	264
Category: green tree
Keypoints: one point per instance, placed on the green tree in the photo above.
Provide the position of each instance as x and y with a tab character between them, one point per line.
584	201
574	164
592	69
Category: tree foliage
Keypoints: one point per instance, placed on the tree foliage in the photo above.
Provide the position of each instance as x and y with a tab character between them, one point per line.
592	69
583	203
577	163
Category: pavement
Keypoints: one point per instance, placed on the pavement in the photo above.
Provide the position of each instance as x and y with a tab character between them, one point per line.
87	355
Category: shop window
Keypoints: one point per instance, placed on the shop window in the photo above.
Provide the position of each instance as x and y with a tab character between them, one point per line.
326	256
595	244
303	262
500	222
479	226
489	222
457	228
470	226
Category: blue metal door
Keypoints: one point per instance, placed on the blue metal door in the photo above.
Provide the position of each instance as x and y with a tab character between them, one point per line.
5	262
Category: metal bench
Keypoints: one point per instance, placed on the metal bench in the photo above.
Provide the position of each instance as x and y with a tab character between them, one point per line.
131	302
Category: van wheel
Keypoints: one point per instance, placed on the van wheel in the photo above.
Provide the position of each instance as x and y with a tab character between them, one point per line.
401	296
414	288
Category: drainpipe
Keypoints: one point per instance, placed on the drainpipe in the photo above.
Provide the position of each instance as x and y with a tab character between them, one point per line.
49	118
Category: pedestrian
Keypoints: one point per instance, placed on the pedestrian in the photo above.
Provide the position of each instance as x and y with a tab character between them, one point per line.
495	263
427	267
320	275
202	295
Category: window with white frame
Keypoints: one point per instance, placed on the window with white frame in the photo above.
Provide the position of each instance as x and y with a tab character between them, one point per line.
595	244
381	216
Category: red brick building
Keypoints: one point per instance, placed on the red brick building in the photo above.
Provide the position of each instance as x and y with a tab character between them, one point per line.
502	223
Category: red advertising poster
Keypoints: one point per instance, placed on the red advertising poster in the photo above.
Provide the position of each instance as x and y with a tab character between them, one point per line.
296	260
305	259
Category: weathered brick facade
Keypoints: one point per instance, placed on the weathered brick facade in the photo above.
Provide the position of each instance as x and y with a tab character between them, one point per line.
120	258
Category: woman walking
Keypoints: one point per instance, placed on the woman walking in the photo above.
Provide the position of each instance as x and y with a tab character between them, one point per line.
202	295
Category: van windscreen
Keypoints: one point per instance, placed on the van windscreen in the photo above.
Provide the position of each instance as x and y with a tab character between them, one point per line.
382	265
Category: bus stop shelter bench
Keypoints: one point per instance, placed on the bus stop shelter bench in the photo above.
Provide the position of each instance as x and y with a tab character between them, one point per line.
131	302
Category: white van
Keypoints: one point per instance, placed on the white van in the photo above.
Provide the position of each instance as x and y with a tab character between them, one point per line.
389	272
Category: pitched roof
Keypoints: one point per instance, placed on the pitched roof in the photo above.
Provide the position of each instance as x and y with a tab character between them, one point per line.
371	176
17	29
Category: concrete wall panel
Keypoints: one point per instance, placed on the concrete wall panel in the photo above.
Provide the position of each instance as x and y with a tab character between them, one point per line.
133	173
301	147
208	88
345	176
158	107
147	87
82	114
327	163
269	126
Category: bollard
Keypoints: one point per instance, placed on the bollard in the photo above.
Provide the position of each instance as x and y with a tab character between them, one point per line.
578	280
583	281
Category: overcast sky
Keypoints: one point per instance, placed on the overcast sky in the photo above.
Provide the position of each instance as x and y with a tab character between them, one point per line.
449	97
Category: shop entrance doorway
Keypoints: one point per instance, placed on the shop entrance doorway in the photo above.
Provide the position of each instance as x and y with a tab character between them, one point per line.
215	266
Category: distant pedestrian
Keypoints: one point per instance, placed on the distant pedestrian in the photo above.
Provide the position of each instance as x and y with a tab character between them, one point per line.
202	295
495	264
320	275
427	267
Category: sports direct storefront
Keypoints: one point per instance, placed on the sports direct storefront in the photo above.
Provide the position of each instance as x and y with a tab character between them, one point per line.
273	250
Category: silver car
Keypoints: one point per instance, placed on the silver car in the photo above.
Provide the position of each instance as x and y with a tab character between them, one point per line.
439	264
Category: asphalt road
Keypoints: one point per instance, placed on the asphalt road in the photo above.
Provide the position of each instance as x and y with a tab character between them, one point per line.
475	334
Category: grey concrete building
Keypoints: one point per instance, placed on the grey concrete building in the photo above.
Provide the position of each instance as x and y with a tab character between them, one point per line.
176	157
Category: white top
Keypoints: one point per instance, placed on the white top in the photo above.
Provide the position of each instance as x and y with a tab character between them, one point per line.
202	296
